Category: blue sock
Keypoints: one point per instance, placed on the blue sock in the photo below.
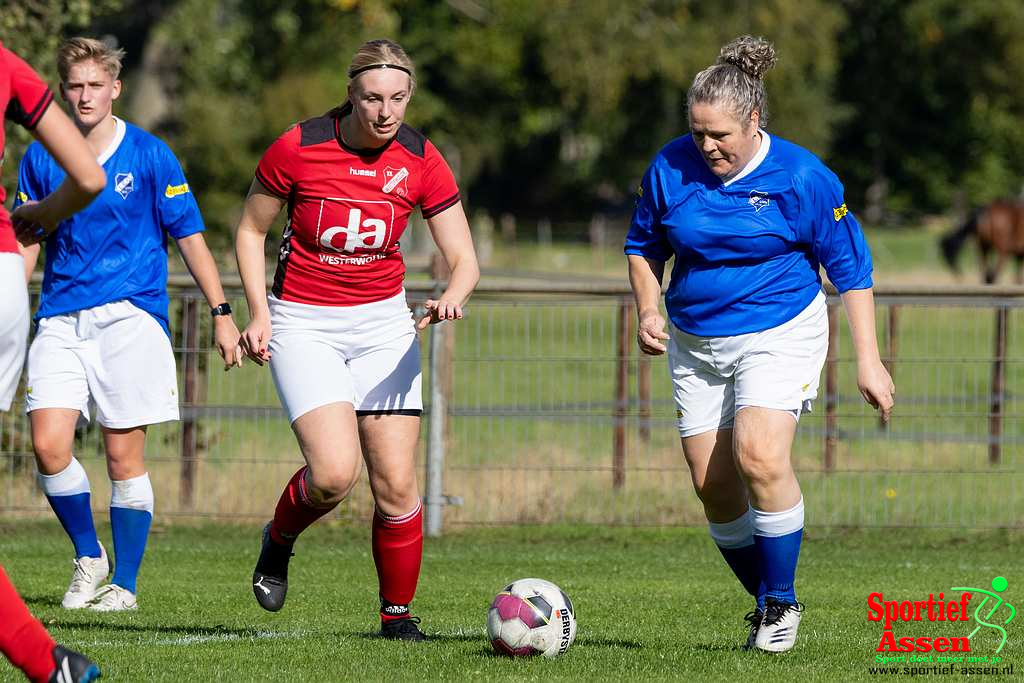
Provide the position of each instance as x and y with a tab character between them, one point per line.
131	512
68	495
777	537
736	543
743	562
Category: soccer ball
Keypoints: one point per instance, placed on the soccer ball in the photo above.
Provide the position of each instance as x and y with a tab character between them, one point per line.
531	617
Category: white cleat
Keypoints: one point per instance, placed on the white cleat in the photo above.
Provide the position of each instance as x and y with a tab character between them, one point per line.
778	628
113	598
89	574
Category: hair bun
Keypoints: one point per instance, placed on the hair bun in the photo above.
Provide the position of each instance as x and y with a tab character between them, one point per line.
753	56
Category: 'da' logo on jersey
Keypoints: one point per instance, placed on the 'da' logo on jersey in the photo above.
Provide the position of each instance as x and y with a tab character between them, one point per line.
395	181
839	212
124	183
758	200
349	226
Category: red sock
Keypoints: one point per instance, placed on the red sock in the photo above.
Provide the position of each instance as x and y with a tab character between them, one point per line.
295	511
397	552
22	637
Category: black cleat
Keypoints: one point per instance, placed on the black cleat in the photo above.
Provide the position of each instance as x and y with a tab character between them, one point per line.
270	578
72	667
402	629
753	620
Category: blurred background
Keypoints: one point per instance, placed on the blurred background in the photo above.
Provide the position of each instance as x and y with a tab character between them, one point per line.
549	112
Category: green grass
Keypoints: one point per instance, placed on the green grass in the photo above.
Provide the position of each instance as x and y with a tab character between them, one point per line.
651	604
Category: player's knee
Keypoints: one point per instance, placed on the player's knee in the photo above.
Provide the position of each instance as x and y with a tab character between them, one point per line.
330	485
397	490
50	447
761	465
721	496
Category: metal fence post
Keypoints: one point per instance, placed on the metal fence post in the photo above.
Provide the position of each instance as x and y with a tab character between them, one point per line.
190	339
623	325
435	500
995	416
831	388
891	339
644	394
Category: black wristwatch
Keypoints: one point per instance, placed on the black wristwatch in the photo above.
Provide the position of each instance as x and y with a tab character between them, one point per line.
223	309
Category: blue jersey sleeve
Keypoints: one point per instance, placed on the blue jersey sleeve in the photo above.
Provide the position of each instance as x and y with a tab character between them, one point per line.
836	238
647	236
29	186
176	205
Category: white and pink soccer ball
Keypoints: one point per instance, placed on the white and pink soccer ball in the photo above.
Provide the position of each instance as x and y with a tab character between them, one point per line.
531	617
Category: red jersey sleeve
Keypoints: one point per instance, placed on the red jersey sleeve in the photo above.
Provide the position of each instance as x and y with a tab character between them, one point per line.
276	170
440	192
29	95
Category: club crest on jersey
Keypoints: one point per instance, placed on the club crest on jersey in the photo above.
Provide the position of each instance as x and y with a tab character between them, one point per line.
124	183
395	181
758	200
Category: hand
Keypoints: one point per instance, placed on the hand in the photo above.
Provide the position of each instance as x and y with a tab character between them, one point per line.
226	337
436	311
255	340
876	386
31	224
650	330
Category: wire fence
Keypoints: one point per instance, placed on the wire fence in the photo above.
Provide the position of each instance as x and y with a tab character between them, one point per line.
552	415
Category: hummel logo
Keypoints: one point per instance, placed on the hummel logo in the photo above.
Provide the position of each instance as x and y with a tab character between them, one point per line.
259	584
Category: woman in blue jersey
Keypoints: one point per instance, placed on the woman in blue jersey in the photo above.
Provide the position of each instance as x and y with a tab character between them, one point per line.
749	219
102	343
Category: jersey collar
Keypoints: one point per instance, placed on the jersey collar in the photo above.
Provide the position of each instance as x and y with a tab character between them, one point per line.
119	132
762	152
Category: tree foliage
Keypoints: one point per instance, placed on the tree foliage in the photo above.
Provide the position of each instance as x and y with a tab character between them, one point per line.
33	29
555	107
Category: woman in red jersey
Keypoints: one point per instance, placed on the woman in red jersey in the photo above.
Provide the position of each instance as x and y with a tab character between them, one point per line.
336	329
25	99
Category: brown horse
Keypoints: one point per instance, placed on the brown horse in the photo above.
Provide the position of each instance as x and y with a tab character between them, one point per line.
999	228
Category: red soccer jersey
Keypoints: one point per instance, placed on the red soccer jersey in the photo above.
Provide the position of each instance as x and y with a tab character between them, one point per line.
24	98
347	209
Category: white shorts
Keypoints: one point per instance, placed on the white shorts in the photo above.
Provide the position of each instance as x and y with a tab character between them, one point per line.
778	368
367	355
115	354
13	325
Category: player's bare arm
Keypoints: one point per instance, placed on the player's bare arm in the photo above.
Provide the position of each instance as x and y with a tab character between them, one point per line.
450	230
33	221
645	278
873	380
199	260
258	214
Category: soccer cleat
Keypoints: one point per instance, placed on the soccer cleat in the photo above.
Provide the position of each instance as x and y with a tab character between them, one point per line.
89	574
778	627
72	667
402	629
270	578
113	598
753	620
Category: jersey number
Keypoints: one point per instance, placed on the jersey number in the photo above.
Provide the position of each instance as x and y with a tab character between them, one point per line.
374	239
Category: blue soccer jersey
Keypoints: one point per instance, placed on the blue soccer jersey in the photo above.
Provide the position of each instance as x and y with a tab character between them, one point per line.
116	248
748	250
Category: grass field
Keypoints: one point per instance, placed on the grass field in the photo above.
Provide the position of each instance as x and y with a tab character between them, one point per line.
651	604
